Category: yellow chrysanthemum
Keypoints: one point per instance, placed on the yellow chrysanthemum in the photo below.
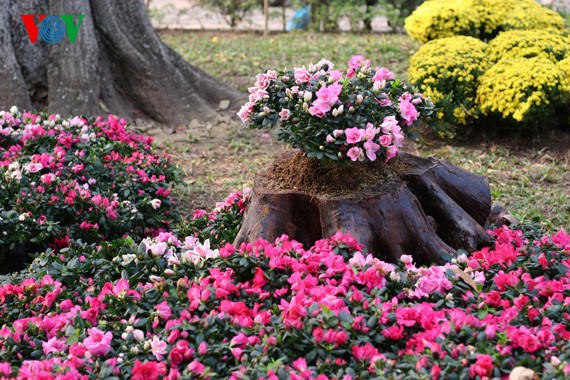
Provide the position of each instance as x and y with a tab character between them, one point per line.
447	70
521	90
550	44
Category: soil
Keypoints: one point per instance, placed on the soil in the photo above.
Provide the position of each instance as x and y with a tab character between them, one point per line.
295	171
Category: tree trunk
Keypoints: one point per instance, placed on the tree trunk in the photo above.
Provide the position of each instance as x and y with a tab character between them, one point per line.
426	208
117	64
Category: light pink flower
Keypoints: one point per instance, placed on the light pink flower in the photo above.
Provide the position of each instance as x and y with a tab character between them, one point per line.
35	167
354	135
302	75
245	111
383	74
358	61
155	203
391	152
319	108
398	139
388	124
407	109
385	140
284	114
354	153
336	75
329	94
371	148
163	311
262	81
256	94
158	347
98	342
54	346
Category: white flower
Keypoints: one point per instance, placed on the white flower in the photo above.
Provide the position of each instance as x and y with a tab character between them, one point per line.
128	258
14	110
155	203
138	335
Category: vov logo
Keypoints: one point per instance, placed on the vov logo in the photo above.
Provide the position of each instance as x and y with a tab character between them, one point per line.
52	29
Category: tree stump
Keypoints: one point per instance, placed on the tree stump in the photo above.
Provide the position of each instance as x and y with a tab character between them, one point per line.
423	207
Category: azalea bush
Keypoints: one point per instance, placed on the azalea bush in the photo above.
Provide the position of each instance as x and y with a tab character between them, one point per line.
361	113
175	308
219	226
74	178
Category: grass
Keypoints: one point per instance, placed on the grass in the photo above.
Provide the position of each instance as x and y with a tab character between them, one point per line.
236	57
529	176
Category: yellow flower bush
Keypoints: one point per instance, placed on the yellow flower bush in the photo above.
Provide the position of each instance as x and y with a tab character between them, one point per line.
442	18
550	44
501	15
482	19
564	65
447	70
523	90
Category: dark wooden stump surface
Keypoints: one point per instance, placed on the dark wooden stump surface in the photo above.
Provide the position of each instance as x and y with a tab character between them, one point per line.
430	207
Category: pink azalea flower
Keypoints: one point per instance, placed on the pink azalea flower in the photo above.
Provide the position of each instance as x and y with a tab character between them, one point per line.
148	371
54	346
385	140
319	108
329	94
355	153
98	342
196	367
383	74
302	75
388	124
358	61
354	135
163	311
335	75
371	148
483	366
391	152
284	114
158	347
408	110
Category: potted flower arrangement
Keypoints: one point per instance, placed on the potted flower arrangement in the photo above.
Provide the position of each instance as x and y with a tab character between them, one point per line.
360	114
349	126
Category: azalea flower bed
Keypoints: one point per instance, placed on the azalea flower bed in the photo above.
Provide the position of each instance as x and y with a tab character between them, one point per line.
176	308
74	178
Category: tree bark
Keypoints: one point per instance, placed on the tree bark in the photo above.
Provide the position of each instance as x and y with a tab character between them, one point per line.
429	210
117	64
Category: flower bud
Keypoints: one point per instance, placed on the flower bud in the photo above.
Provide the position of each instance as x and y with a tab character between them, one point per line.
359	99
341	109
378	85
351	109
335	112
308	96
135	350
321	148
